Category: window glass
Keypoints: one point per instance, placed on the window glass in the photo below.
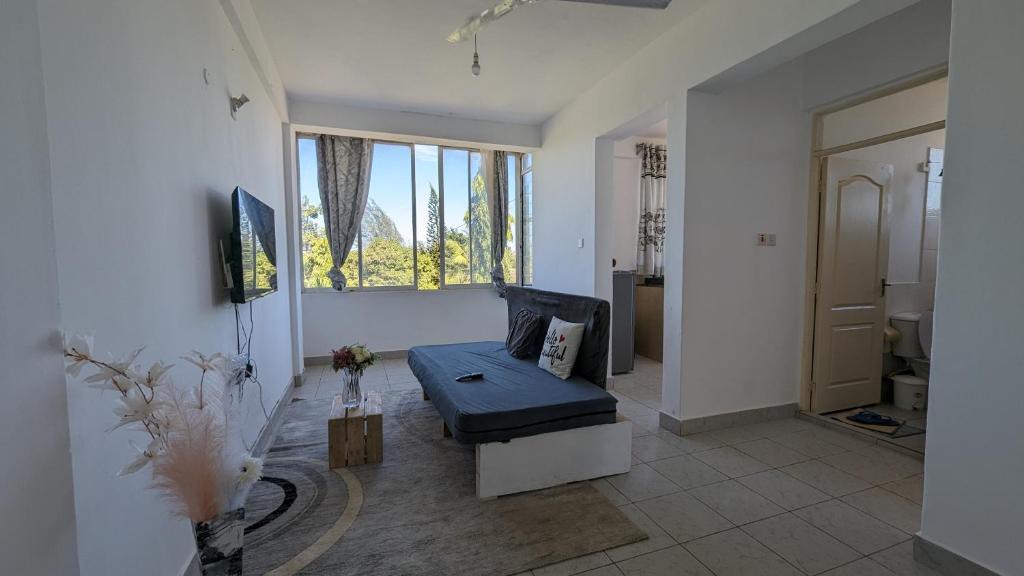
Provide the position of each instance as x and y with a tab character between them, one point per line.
316	254
428	218
528	220
456	207
478	219
509	263
387	225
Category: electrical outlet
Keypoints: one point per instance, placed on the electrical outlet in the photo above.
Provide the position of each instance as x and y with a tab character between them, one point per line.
761	240
771	239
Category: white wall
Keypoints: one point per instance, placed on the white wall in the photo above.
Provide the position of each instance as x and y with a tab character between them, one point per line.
746	172
37	509
144	157
389	320
413	124
973	474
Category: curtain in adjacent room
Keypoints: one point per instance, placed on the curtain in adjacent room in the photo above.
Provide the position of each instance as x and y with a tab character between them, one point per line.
650	255
344	177
498	203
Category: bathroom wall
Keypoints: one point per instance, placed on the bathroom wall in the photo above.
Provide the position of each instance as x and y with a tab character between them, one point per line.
914	220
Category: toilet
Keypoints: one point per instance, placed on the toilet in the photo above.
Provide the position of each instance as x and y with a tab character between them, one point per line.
910	392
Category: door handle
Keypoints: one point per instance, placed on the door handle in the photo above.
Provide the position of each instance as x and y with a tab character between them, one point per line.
884	285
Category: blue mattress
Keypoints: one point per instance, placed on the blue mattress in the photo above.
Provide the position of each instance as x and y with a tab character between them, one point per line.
514	399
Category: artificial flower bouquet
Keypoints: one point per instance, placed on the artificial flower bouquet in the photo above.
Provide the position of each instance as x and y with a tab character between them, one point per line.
195	449
354	358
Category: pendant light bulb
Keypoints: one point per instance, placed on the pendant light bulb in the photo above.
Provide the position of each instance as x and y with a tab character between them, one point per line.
476	60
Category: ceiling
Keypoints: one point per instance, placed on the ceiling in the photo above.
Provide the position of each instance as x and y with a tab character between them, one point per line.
392	54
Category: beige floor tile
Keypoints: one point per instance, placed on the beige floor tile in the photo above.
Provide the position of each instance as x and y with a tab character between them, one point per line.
910	488
801	544
657	538
684	517
901	463
642	483
731	462
770	452
829	480
780	427
574	565
691	443
736	502
900	560
674	561
643	425
735	435
807	443
862	567
867	468
611	570
890	508
849	440
854	528
783	489
614	496
648	448
734	553
688	472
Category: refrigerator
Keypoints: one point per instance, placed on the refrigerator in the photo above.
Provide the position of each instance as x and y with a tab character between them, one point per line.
623	320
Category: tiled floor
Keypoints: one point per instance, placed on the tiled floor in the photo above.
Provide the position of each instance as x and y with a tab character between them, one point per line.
786	497
320	381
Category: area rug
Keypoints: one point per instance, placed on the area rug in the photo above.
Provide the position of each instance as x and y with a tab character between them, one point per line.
900	431
414	514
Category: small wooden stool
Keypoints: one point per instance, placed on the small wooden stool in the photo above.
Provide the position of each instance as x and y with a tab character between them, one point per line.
355	435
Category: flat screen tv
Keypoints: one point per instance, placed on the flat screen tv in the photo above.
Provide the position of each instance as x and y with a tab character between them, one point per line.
253	260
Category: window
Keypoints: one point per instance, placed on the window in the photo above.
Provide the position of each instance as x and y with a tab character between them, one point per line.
427	225
527	216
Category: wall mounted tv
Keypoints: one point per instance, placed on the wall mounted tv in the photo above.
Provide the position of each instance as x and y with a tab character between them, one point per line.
253	261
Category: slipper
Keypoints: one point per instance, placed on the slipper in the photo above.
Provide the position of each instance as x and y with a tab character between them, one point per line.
873	419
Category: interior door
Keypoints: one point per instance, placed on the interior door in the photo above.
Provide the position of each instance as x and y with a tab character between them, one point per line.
853	257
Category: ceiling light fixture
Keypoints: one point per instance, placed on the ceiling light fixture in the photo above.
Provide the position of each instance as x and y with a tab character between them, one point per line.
476	60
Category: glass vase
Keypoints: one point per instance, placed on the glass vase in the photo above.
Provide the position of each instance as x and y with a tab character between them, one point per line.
219	544
351	395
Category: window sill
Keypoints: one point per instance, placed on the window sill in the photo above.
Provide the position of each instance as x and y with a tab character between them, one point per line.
397	290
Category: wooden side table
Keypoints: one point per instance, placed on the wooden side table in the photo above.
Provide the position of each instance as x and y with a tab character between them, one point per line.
355	435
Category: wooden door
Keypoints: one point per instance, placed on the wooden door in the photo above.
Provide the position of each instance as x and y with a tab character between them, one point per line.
853	257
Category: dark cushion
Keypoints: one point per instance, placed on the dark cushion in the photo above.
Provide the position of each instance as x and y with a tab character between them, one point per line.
524	335
593	313
515	398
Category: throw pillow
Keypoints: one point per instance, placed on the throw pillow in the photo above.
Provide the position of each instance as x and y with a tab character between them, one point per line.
561	344
523	334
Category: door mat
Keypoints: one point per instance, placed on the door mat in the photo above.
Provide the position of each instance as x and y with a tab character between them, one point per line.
901	430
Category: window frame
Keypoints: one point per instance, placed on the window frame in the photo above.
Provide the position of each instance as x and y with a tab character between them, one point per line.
414	287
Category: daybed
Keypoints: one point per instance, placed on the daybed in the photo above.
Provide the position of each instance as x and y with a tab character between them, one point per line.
531	428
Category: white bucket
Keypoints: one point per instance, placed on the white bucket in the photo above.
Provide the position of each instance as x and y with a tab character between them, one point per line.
910	392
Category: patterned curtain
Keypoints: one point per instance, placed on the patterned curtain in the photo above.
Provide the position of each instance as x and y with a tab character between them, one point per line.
344	176
498	204
650	253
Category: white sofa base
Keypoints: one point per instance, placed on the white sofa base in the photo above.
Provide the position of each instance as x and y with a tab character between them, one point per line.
552	459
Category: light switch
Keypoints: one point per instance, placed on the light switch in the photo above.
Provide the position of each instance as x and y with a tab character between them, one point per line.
771	239
579	242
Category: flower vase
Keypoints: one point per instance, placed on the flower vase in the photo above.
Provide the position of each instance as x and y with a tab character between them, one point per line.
219	544
351	395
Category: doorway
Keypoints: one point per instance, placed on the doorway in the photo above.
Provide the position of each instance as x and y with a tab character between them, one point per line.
876	190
